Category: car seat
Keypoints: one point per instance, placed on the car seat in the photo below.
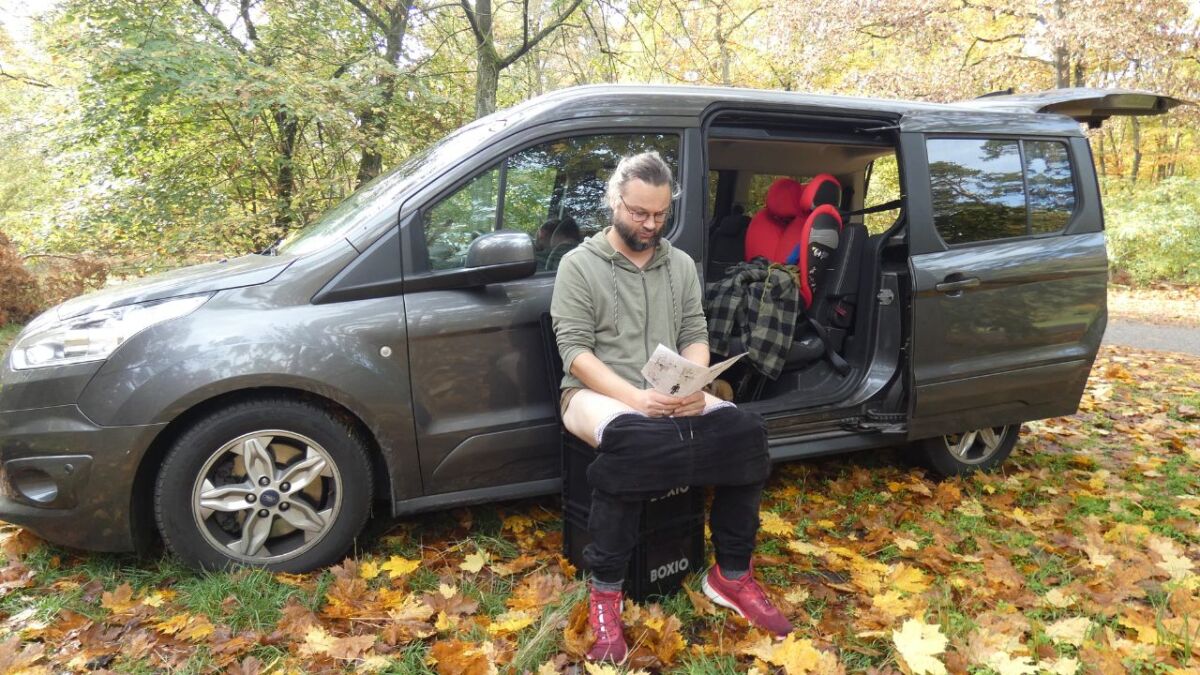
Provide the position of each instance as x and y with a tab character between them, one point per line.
780	208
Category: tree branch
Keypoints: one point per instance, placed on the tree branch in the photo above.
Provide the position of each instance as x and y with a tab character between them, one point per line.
480	38
529	44
370	14
220	27
25	79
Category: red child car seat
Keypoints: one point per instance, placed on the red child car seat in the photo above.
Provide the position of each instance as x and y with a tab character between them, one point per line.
782	206
809	241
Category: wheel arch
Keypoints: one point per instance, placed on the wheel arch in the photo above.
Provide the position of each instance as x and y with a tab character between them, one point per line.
145	531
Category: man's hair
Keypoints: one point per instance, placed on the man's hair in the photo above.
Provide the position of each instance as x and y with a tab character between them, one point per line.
647	167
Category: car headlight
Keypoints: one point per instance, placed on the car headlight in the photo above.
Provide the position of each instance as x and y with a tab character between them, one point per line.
96	335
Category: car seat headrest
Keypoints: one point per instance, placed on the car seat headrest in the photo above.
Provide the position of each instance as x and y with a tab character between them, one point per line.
783	198
822	189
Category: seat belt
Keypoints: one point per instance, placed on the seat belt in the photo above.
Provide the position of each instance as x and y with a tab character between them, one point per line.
839	364
886	206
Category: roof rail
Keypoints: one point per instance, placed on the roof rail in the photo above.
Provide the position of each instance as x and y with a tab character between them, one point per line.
1001	92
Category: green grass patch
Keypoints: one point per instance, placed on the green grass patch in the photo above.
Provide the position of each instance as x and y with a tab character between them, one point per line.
248	598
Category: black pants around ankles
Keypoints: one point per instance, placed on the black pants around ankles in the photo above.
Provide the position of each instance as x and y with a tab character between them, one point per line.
613	526
640	456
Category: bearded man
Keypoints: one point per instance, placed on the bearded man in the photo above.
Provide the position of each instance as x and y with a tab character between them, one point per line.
620	293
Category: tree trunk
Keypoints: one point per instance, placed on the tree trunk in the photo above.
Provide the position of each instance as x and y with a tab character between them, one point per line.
487	80
285	178
373	120
1137	149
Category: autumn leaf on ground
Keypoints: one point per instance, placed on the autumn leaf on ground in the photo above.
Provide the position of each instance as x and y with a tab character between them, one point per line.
369	569
450	599
316	641
772	523
17	658
397	566
514	566
475	561
510	622
1070	631
452	657
918	645
120	600
536	591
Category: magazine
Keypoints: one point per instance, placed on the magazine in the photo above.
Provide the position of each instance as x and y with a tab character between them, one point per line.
671	374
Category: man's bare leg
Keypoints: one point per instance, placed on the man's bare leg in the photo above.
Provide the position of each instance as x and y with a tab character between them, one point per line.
588	410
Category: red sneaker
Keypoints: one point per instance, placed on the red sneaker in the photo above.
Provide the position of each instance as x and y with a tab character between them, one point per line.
747	598
604	614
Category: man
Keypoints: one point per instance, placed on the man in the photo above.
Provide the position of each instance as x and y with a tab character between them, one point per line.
619	294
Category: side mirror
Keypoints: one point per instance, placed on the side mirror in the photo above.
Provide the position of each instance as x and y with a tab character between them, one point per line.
504	255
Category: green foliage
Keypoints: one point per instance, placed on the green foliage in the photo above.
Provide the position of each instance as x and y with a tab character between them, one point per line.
1154	231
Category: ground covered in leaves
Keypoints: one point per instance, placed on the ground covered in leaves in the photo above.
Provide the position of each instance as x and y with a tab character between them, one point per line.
1080	555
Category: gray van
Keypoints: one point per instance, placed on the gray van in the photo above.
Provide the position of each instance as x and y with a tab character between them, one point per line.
254	410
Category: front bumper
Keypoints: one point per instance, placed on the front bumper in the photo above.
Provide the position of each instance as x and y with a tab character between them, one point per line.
69	479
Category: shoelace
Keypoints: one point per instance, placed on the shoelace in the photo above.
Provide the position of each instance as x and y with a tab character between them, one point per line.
603	617
759	595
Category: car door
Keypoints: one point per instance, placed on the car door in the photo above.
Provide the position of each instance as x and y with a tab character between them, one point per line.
1008	263
485	411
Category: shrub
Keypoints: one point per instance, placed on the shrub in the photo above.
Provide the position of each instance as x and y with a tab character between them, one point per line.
20	297
1154	231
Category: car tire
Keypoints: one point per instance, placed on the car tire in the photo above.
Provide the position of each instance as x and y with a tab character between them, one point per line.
274	483
963	453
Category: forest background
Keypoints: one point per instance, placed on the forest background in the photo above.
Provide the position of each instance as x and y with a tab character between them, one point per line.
138	136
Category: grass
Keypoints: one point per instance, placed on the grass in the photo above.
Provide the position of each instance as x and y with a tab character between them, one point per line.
1074	487
8	333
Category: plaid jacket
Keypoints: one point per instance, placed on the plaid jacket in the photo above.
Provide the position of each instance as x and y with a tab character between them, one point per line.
754	309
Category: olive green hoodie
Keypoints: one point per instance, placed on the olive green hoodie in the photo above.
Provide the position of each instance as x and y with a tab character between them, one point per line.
605	305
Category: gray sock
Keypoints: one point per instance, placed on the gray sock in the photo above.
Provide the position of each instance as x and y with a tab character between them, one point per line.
607	586
733	575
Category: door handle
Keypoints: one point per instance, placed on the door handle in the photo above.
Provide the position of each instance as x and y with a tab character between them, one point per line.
955	284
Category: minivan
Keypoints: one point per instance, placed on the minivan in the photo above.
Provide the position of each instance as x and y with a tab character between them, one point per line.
256	409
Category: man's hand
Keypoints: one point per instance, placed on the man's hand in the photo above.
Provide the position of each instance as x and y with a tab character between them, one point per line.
690	405
654	404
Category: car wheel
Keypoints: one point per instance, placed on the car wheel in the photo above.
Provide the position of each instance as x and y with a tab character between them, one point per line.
970	451
277	483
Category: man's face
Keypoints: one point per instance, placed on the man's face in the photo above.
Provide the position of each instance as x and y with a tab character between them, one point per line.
641	214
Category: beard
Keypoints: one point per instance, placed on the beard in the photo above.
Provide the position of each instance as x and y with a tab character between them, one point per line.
629	234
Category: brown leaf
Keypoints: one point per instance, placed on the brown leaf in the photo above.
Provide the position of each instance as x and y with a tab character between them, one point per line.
453	657
15	657
351	647
450	599
536	591
577	636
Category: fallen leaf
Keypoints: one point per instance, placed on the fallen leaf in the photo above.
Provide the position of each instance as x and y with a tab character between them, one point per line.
918	645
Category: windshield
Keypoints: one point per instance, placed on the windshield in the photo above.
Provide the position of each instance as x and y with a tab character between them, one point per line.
383	191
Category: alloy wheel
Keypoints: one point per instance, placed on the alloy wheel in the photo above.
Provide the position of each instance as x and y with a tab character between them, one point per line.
267	496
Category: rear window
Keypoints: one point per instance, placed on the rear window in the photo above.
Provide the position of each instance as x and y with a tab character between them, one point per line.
985	189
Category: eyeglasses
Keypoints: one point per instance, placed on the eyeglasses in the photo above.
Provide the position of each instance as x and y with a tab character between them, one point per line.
640	215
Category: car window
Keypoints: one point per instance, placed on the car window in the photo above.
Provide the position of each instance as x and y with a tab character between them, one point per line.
977	189
986	189
1051	187
883	187
457	220
554	192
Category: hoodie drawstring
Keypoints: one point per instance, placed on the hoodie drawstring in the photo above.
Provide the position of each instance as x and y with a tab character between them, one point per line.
615	300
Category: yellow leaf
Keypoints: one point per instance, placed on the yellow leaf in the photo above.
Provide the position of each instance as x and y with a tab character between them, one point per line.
443	623
1056	598
474	562
197	629
398	567
826	524
517	523
805	548
369	569
510	622
119	601
1061	666
909	579
773	523
157	598
918	645
1071	631
173	624
892	604
906	544
548	668
316	641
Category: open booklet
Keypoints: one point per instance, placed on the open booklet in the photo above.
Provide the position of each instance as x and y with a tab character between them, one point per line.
671	374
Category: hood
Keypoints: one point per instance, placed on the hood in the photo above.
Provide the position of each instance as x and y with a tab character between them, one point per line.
598	245
250	270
